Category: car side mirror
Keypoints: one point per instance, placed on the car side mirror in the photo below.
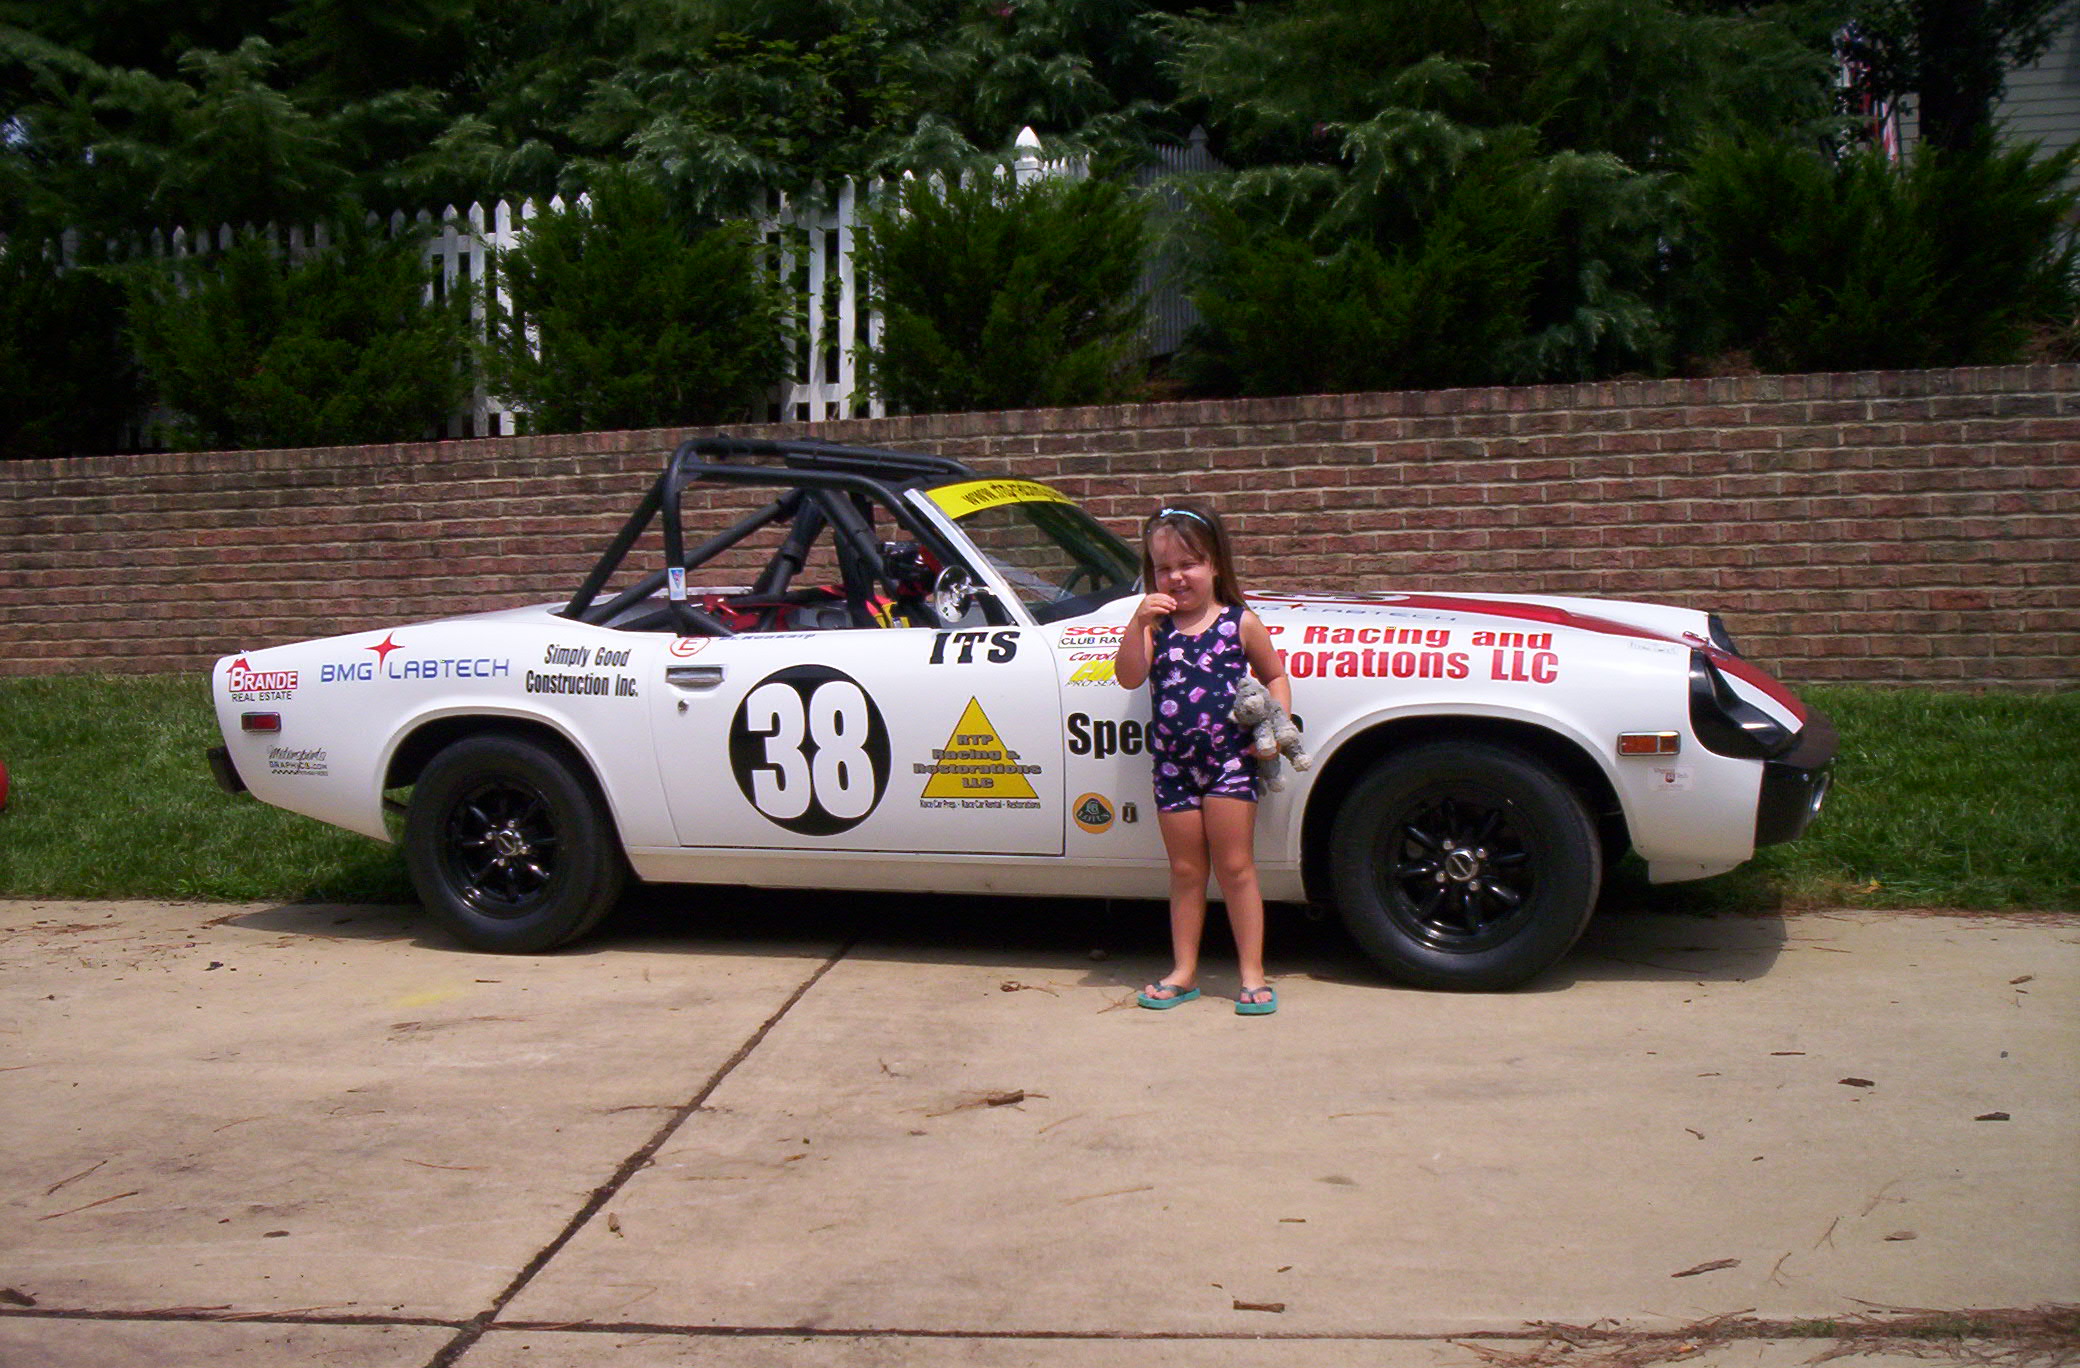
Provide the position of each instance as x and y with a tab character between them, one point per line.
955	594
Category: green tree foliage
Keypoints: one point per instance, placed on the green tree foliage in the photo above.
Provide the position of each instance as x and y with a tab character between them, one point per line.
250	349
724	107
627	313
67	379
415	103
1817	264
1281	316
1092	73
1290	84
1520	168
1511	269
226	136
995	295
1505	167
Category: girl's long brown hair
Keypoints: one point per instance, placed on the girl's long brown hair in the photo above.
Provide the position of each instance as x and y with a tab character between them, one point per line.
1201	529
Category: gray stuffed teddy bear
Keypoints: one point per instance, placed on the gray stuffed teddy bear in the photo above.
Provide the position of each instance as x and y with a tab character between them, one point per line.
1257	711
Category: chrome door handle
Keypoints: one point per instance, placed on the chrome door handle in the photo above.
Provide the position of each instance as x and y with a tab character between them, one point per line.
693	676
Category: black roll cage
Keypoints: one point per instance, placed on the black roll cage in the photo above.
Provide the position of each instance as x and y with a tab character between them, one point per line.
827	485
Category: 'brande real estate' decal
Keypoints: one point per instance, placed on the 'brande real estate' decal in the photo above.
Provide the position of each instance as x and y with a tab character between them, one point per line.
248	685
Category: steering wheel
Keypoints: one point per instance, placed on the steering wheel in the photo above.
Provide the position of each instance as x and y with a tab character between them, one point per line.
1078	573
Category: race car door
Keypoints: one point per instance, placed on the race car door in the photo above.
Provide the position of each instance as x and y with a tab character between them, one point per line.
892	739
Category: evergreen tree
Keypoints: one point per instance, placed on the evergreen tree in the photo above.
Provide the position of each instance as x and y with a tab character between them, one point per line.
1814	263
994	295
251	349
68	381
628	312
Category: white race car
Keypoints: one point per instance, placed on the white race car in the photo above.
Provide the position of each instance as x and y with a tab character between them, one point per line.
913	689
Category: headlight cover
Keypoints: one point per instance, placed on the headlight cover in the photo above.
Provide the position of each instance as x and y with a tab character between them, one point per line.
1726	723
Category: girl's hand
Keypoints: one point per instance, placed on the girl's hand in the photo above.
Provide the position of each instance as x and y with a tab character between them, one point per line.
1151	608
1130	662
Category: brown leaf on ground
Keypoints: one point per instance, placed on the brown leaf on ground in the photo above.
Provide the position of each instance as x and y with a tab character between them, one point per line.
1714	1266
996	1099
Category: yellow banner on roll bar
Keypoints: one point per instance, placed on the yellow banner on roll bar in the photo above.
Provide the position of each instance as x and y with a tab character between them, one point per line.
972	496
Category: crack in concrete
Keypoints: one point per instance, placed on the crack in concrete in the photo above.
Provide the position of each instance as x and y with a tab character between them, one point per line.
473	1329
1968	1337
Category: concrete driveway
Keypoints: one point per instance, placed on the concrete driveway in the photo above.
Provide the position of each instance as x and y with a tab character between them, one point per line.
748	1128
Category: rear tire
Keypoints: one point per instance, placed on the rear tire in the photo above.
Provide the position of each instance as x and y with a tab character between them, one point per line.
509	846
1464	865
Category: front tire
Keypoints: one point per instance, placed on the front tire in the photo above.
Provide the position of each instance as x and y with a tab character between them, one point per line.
509	846
1464	865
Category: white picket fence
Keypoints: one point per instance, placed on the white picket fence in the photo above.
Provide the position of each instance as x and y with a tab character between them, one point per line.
824	383
827	287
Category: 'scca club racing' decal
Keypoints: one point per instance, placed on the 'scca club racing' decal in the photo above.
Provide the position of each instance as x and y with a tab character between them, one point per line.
810	750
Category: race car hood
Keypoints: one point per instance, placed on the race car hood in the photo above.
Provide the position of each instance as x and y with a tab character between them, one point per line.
1656	621
1524	613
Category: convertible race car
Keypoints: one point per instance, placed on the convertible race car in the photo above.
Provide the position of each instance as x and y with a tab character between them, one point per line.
913	689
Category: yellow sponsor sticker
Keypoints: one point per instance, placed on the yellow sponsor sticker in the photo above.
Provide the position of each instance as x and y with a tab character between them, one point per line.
975	762
972	496
1094	672
1093	813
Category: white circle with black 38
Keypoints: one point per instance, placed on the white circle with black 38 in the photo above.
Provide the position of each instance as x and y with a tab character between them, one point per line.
810	750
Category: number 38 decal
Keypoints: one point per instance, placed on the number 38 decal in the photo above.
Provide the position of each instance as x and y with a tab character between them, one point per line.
810	750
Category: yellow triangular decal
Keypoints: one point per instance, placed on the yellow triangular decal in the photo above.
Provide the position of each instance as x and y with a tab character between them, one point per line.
975	764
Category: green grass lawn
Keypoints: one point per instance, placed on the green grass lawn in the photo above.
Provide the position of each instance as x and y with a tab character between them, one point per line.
111	798
1941	800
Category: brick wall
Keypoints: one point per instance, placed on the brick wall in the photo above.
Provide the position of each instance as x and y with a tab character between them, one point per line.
1889	528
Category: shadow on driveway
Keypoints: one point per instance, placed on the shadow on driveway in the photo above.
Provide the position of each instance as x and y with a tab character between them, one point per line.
1622	944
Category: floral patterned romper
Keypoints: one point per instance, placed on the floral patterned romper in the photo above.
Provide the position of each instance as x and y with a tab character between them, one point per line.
1199	751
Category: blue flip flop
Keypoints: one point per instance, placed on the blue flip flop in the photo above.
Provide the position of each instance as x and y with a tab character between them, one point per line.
1178	996
1244	1007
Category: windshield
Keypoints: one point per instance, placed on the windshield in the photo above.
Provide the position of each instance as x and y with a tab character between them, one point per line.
1056	557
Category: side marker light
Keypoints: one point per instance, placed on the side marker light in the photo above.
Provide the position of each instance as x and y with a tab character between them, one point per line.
260	722
1650	743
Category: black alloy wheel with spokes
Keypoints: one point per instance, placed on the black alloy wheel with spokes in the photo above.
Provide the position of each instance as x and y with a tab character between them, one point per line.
509	847
1465	865
501	846
1465	880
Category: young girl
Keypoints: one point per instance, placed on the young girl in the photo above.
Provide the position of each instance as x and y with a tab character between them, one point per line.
1193	635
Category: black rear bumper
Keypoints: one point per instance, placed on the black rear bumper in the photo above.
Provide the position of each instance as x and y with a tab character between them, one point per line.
1795	784
226	771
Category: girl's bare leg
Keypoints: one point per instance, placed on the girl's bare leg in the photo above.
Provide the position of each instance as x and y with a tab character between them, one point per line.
1230	836
1184	838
